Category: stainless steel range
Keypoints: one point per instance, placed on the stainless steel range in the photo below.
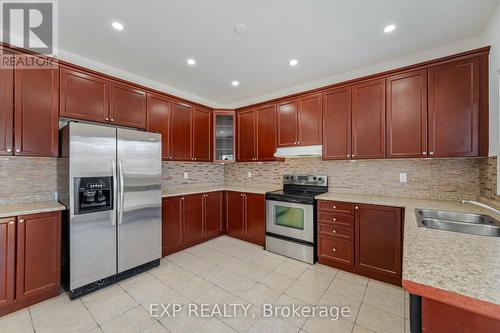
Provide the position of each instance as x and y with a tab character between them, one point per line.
291	217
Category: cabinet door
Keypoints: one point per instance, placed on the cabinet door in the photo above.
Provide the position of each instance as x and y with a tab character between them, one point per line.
202	135
38	255
287	123
6	110
192	212
234	213
378	240
83	95
246	135
213	213
368	119
255	217
337	124
159	121
407	115
454	109
7	261
181	132
36	112
172	235
309	120
266	133
128	106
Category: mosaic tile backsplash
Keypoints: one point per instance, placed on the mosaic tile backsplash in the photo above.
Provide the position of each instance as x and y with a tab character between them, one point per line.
198	174
488	178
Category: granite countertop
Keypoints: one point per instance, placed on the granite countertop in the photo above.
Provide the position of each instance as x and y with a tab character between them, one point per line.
258	189
465	264
34	207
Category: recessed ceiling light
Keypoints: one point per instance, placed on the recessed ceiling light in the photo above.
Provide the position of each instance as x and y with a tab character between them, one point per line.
241	28
390	28
235	83
117	25
191	62
293	62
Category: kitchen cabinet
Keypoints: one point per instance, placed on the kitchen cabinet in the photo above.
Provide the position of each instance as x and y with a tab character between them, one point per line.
337	124
190	219
202	134
224	135
407	115
181	131
299	121
245	216
368	119
6	110
127	106
30	260
172	230
36	124
159	121
83	95
362	239
454	108
256	134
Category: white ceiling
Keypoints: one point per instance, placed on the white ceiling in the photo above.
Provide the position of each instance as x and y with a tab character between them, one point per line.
328	37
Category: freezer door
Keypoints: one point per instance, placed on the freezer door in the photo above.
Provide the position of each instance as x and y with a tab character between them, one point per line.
139	198
92	236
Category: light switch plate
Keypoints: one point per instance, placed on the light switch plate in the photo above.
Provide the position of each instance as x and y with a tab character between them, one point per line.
186	175
249	174
402	177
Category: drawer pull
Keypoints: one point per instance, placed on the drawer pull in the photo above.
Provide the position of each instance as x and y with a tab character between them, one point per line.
334	231
334	207
11	222
21	221
334	249
356	207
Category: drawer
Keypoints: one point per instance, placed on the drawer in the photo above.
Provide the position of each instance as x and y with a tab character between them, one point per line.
340	250
336	231
342	220
336	206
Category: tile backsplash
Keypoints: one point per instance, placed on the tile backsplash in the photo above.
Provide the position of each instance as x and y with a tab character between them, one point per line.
488	178
447	179
198	174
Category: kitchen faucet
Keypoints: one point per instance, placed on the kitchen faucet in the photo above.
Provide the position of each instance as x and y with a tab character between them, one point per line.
496	211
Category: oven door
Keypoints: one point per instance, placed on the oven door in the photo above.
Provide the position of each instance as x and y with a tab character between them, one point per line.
290	219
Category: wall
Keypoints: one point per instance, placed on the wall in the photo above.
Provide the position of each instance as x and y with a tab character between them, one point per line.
27	179
450	179
488	179
198	174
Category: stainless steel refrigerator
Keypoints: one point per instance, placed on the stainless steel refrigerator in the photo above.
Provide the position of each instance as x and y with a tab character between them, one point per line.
110	178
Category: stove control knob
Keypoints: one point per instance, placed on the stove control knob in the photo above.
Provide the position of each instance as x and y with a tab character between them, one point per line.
314	178
320	179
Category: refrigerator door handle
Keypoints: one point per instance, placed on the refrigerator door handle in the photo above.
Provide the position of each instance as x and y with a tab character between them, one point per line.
113	172
121	194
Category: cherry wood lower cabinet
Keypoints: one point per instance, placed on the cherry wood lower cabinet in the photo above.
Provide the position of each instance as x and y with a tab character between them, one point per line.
30	260
190	219
363	239
246	216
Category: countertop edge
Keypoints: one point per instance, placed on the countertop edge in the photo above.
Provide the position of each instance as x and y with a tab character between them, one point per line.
27	208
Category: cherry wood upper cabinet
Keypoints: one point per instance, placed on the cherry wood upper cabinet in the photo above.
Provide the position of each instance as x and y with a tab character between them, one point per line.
337	124
172	231
213	213
159	121
181	132
407	115
38	255
36	124
309	120
265	118
255	214
287	123
245	126
127	106
7	262
378	234
235	221
83	95
6	110
454	109
202	134
192	212
368	119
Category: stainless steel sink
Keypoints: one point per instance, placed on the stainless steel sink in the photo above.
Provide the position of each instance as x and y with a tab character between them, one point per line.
475	224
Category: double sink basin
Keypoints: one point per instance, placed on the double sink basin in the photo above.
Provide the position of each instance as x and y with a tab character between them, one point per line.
476	224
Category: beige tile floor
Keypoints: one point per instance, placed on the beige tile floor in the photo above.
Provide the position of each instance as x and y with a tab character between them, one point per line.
223	271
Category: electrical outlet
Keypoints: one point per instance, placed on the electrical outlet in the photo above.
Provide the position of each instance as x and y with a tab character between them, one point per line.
249	174
186	175
402	177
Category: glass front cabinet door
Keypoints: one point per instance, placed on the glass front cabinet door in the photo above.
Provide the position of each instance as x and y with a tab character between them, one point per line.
224	136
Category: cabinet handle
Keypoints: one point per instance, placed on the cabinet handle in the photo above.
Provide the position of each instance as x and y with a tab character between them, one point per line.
356	207
431	153
107	119
334	249
424	153
182	198
21	221
18	150
334	207
111	119
9	150
348	155
334	231
353	155
334	219
11	222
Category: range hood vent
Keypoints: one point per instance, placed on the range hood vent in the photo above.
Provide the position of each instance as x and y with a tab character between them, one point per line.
296	152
